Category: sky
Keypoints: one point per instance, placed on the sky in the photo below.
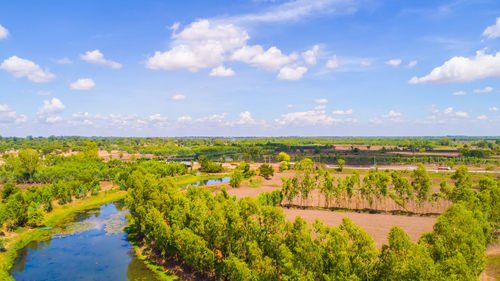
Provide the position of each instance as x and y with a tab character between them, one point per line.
249	68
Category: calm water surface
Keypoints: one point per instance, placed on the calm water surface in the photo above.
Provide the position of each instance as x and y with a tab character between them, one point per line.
209	182
90	245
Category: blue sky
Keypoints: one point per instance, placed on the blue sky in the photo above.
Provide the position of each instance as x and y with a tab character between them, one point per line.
249	68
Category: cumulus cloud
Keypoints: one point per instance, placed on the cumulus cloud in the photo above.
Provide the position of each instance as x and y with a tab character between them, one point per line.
493	31
292	73
482	117
450	112
310	56
51	106
221	71
82	84
392	114
493	108
9	116
290	106
97	57
462	69
179	97
207	44
394	62
343	112
3	32
482	91
272	59
459	93
184	119
317	116
332	63
19	67
321	101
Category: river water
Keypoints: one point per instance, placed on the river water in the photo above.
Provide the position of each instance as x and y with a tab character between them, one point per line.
89	245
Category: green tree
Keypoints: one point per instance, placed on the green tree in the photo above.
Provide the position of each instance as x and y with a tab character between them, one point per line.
30	161
266	171
341	163
282	156
421	183
236	178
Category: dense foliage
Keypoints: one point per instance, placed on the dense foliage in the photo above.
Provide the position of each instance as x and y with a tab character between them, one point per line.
251	240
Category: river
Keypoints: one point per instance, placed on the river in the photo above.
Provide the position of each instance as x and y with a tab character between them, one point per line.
88	245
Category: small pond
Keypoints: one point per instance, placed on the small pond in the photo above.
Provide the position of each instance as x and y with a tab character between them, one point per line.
208	182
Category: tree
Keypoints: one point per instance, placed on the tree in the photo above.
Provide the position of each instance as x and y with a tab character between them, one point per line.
341	163
282	156
421	183
30	161
266	171
236	178
8	189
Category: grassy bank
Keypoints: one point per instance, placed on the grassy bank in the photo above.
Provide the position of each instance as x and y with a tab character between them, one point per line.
139	253
23	236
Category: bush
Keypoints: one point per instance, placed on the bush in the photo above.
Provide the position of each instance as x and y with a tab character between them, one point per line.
8	189
236	178
266	171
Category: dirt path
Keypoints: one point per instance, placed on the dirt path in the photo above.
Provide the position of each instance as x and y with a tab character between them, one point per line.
376	225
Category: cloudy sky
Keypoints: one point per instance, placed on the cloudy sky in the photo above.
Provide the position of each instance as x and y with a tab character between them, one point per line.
249	68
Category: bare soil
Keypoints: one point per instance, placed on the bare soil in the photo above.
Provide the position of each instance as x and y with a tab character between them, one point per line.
376	225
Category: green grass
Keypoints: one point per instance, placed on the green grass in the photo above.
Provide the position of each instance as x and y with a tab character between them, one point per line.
26	235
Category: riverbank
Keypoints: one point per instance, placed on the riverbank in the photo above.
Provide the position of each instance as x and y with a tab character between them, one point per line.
22	236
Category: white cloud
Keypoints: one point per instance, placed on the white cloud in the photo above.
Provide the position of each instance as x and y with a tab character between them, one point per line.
175	26
82	84
332	63
3	32
184	119
51	106
320	107
493	31
412	63
450	112
53	119
392	114
64	61
343	112
208	44
290	106
482	117
19	67
297	9
394	62
493	108
291	73
97	57
365	63
482	91
321	101
459	93
272	59
221	71
179	97
462	69
9	116
310	56
201	44
313	117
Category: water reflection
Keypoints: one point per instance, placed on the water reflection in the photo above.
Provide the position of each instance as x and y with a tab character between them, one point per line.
91	247
208	182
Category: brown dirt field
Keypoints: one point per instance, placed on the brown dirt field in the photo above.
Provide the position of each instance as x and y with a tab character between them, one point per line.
492	271
376	225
